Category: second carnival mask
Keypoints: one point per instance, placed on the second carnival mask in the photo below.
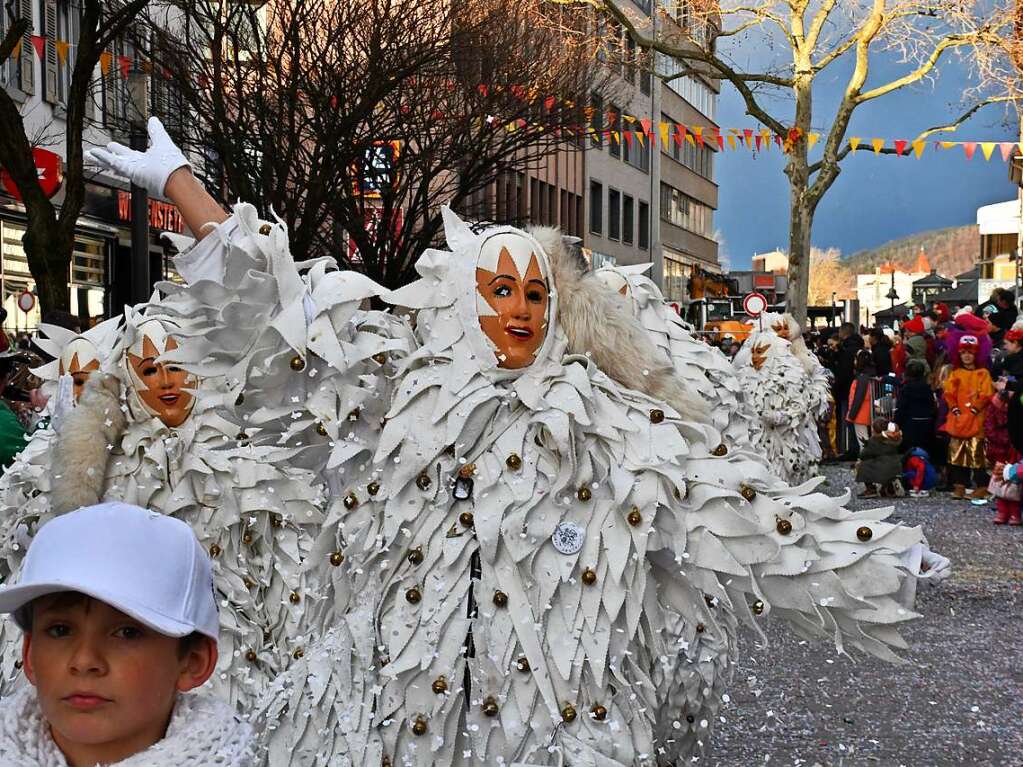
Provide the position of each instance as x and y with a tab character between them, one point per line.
161	389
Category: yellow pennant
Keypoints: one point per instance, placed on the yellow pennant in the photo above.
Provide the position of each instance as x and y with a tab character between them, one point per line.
639	137
987	147
690	139
854	142
918	148
62	49
947	144
878	144
664	135
104	61
811	139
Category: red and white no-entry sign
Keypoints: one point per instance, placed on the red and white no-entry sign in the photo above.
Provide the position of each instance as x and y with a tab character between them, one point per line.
26	302
754	304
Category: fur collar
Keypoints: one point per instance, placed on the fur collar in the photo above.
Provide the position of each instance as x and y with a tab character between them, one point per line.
202	731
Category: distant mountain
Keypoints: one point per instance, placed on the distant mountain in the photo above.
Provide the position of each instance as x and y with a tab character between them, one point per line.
951	251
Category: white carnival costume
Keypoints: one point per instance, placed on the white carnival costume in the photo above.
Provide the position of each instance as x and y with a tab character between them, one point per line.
556	564
703	368
787	390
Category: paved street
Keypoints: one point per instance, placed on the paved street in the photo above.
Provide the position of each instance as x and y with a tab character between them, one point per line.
960	702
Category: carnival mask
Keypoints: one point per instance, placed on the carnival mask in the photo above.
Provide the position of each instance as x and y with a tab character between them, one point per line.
512	298
79	359
781	329
160	388
759	355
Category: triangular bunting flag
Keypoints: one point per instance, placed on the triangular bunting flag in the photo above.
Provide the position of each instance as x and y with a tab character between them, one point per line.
758	139
721	141
900	146
124	64
854	142
988	148
39	43
62	49
969	147
690	139
16	51
628	137
647	127
731	141
548	103
680	132
749	136
946	144
104	62
698	133
811	139
664	134
482	88
878	144
1006	147
777	140
918	148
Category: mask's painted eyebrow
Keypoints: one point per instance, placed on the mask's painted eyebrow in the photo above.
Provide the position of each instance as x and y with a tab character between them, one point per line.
541	283
499	277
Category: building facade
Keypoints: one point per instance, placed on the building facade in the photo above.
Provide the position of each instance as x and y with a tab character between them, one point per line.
999	226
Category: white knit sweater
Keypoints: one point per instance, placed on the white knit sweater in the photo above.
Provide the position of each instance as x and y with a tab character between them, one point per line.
203	731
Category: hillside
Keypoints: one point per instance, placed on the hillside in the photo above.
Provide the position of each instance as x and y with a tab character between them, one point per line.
951	251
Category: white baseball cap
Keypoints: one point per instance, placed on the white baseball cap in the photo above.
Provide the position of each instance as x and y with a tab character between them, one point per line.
145	564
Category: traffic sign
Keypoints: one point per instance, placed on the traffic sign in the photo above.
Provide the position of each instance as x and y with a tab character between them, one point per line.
26	302
48	167
754	304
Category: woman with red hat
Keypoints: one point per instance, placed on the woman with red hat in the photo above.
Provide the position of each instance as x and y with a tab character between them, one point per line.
968	391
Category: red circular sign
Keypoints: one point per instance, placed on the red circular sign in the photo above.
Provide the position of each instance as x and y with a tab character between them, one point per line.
754	304
49	167
26	302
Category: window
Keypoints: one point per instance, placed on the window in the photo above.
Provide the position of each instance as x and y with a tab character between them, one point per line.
614	214
20	72
681	210
631	59
644	225
699	159
597	121
627	219
596	207
644	72
676	279
692	89
614	146
636	151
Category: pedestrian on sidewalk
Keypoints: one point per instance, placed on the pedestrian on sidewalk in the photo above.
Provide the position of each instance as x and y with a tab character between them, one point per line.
968	393
860	397
1008	492
916	409
880	464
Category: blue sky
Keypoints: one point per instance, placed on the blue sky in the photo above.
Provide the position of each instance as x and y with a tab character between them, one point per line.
876	198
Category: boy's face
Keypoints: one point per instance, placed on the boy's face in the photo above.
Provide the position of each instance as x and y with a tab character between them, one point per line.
106	684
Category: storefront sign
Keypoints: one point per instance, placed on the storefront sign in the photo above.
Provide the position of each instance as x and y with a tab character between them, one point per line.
162	215
49	167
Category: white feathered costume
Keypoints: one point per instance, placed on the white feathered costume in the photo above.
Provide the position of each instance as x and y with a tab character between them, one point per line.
787	390
555	564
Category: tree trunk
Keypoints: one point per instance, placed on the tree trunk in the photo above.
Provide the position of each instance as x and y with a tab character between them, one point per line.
48	250
800	225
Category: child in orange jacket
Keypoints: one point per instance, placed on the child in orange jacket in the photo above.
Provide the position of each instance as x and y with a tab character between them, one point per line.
968	392
860	396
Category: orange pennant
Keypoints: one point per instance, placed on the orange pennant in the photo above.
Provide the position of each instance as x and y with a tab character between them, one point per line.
16	51
969	147
731	141
918	148
104	62
62	50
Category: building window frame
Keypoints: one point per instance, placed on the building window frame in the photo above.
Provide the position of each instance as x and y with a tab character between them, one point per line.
628	216
596	208
614	213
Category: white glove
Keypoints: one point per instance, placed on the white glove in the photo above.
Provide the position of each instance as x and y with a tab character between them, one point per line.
149	169
63	403
933	566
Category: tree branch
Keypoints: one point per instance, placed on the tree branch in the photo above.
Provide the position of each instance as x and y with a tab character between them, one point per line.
946	44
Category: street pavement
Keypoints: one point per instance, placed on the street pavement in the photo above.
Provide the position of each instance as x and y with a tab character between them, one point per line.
959	700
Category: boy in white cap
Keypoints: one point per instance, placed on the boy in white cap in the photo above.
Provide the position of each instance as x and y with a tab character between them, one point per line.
120	622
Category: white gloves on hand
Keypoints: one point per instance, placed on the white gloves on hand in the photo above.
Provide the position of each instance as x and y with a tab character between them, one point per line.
933	566
149	169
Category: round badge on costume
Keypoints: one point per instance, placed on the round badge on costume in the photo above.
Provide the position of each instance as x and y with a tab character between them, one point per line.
568	537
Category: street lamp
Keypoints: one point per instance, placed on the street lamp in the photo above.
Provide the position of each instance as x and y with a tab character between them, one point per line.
138	95
833	294
893	296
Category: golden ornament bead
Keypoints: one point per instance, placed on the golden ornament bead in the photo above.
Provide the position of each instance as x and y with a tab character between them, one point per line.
513	462
380	358
294	598
758	607
719	451
440	685
297	364
336	558
635	518
599	712
264	229
321	430
584	494
373	488
419	726
568	713
297	655
351	501
489	706
656	416
747	492
412	596
523	664
700	628
500	599
864	533
589	576
423	481
784	527
215	550
251	656
416	556
467	519
467	470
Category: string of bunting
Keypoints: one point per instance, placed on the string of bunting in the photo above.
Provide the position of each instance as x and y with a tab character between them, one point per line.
640	131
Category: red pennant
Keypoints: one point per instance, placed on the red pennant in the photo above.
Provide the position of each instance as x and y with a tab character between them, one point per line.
969	147
680	133
777	139
39	43
484	91
759	140
628	137
548	103
900	146
748	133
124	63
646	127
1006	148
721	141
699	137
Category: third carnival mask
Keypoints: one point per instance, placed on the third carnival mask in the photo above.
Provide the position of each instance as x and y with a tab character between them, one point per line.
79	359
162	389
781	328
512	298
759	355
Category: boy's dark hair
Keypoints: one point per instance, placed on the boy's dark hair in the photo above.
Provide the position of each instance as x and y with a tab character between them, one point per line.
914	370
863	360
879	425
66	599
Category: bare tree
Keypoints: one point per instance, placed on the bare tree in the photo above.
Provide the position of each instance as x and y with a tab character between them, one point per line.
50	234
354	122
828	275
796	43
